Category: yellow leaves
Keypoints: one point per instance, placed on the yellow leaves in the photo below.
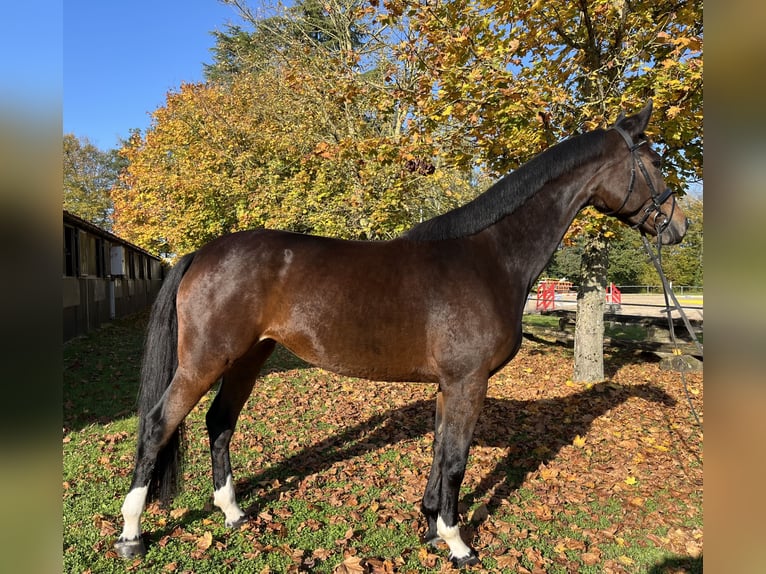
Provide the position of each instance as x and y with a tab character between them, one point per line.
631	481
305	148
654	49
681	41
626	560
205	541
672	112
579	441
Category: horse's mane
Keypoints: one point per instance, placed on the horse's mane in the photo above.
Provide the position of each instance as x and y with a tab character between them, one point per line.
509	193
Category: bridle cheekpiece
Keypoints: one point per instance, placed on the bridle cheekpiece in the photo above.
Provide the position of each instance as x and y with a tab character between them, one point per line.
657	199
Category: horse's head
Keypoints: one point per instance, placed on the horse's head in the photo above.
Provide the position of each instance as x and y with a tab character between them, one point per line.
632	188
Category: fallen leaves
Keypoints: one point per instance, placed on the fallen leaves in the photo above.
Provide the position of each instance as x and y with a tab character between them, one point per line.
590	558
351	565
427	558
205	541
356	565
332	471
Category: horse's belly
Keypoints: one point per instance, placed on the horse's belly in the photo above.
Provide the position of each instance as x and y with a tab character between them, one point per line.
369	354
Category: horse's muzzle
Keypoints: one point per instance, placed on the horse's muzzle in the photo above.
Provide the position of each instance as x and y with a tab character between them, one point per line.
675	231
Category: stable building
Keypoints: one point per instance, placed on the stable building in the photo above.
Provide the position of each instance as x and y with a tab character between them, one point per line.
105	277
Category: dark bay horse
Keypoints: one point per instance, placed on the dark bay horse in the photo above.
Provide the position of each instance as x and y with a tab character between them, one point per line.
441	304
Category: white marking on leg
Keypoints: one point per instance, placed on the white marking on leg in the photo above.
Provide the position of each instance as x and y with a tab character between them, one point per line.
451	535
131	513
225	499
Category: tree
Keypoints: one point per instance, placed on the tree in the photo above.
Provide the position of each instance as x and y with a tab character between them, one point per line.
565	263
309	140
89	175
683	263
335	26
504	80
627	265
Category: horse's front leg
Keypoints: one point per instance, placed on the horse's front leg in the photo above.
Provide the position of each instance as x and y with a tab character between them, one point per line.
462	403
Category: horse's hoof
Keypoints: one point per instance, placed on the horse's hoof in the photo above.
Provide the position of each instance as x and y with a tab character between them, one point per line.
241	521
471	559
130	548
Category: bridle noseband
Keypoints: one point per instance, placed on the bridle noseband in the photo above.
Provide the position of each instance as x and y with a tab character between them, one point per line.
657	199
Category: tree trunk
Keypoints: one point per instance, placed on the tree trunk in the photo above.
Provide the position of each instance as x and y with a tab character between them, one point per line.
589	323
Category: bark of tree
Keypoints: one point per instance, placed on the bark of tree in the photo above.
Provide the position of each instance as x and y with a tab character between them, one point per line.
589	323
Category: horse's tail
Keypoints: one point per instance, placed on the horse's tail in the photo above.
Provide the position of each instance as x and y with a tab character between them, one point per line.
158	366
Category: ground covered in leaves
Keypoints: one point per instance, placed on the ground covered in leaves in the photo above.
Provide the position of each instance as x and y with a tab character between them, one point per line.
562	477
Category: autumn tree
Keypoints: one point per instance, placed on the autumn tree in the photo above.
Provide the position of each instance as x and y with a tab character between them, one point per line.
89	175
683	264
502	81
305	136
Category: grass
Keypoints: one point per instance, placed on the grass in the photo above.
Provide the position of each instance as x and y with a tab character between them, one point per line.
331	470
628	332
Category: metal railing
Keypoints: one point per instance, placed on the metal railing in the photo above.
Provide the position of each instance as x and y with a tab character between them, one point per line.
652	289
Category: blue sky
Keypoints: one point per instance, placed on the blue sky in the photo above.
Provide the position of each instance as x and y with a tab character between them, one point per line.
121	59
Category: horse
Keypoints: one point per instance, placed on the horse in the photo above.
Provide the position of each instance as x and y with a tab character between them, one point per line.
442	303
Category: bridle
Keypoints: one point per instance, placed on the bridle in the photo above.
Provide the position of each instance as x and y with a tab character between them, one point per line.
655	207
657	199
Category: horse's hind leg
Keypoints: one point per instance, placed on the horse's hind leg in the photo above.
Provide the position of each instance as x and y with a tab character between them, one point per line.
221	418
156	430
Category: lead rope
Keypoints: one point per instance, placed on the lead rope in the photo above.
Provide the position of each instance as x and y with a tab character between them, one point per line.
669	295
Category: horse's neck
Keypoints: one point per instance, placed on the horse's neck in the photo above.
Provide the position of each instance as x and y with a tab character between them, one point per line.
529	236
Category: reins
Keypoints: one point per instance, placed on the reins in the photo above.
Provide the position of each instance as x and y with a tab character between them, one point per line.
667	290
657	200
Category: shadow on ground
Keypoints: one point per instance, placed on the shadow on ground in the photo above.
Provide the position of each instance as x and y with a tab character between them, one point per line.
524	428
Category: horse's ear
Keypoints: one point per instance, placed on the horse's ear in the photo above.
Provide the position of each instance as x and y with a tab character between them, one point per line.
636	124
